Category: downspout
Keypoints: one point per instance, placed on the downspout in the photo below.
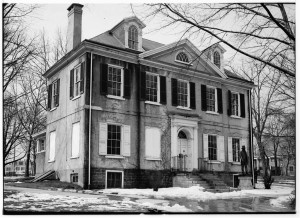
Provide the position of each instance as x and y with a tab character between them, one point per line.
251	136
138	70
90	122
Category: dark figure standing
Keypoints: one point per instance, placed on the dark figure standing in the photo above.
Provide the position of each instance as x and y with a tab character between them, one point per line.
244	161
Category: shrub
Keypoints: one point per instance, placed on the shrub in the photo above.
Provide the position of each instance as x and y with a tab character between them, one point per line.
268	180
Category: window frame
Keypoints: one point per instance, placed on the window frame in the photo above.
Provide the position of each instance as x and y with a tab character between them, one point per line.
216	148
121	97
238	105
38	147
135	41
54	94
180	61
121	140
157	88
72	176
75	156
237	151
49	160
216	100
77	84
188	107
114	171
219	60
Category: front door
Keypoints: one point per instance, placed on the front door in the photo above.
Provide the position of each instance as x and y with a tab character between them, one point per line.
184	150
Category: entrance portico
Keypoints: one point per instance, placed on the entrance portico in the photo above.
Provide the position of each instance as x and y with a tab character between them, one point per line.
184	143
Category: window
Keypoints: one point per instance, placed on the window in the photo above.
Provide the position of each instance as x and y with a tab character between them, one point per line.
212	147
22	168
152	87
75	140
182	57
217	59
40	145
115	81
114	139
74	178
17	168
291	168
52	146
236	150
133	38
211	99
182	93
20	163
8	169
114	179
152	142
235	104
77	81
53	94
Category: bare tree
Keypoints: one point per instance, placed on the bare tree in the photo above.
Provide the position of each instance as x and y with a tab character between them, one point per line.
261	32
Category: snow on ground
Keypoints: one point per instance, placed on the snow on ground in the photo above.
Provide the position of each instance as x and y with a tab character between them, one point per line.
197	193
278	201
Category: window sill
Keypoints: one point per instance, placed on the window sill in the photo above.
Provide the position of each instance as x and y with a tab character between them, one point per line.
213	162
153	103
150	158
183	108
236	163
235	117
40	152
78	96
74	157
50	161
212	112
186	63
53	109
116	97
115	157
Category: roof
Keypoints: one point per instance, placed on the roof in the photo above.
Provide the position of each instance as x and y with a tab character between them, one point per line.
234	75
128	19
149	44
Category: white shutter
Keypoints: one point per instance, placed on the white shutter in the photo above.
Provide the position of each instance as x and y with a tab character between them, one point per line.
205	146
126	140
230	155
75	140
152	142
52	146
220	147
243	143
103	138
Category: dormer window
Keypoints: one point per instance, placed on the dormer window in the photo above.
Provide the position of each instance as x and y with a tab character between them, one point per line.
217	59
133	37
182	57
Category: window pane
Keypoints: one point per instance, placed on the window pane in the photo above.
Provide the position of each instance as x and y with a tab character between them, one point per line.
151	87
114	84
235	104
182	93
212	147
236	149
114	139
114	180
211	99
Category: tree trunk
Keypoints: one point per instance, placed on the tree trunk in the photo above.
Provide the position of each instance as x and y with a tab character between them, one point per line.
28	159
275	161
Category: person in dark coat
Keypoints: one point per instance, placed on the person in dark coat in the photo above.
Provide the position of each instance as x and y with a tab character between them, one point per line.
244	160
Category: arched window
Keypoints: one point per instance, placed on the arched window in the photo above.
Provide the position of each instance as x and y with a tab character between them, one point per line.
217	59
133	37
182	135
182	57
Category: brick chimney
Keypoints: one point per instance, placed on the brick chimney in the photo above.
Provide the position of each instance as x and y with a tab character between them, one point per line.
74	26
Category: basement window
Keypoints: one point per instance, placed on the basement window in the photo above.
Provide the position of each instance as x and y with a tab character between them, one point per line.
74	178
114	179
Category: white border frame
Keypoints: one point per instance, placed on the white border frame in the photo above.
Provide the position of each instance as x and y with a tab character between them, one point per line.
72	140
77	96
216	100
114	171
122	82
239	105
188	97
38	151
158	89
116	156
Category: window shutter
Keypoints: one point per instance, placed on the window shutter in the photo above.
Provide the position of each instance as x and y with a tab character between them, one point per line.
203	98
75	140
103	78
57	96
52	146
126	140
103	139
152	142
205	146
49	96
230	155
143	85
220	100
163	90
220	148
127	76
229	103
82	73
71	83
192	95
242	103
174	91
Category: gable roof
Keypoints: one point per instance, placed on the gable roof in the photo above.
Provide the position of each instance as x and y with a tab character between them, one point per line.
150	45
128	19
107	38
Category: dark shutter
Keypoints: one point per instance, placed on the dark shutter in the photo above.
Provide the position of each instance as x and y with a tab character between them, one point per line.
57	96
174	91
103	78
243	111
229	103
49	96
220	100
82	73
127	80
192	96
163	90
203	98
143	85
71	83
